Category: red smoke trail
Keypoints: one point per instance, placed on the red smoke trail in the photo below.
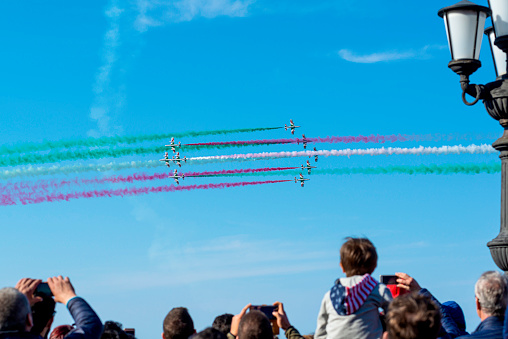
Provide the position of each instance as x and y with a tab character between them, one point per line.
121	192
346	139
247	170
45	185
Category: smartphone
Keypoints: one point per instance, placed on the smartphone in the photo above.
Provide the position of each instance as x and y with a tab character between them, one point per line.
388	279
43	290
130	331
266	309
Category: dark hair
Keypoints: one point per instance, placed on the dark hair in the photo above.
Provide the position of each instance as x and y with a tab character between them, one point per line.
42	312
209	333
358	256
413	316
60	332
255	325
223	323
178	324
113	330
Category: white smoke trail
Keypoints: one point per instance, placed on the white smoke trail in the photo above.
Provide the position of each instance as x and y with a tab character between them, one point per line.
80	168
471	149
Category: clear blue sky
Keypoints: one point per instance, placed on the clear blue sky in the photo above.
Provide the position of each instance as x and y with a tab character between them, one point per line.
337	68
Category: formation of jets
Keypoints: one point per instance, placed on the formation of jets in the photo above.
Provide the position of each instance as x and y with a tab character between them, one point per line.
173	145
176	176
176	159
301	179
291	125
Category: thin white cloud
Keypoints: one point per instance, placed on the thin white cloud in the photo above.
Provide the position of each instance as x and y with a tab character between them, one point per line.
101	108
173	262
153	13
422	53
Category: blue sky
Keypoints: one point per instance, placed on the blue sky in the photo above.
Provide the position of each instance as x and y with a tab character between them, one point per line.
336	68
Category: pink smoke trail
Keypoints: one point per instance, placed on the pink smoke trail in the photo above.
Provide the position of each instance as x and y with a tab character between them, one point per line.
333	139
247	170
121	192
47	185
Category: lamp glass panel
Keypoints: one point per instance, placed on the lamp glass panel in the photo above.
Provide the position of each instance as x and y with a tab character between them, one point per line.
499	16
461	27
499	55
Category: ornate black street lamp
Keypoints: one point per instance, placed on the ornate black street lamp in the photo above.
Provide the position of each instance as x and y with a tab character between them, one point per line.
464	24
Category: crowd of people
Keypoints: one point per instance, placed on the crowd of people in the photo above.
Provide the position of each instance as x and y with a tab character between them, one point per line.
357	306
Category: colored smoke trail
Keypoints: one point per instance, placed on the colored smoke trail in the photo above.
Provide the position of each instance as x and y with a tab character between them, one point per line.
120	152
237	171
121	192
73	169
333	139
46	185
24	188
16	160
471	149
113	141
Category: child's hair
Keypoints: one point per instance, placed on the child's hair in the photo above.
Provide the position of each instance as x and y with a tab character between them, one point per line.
358	256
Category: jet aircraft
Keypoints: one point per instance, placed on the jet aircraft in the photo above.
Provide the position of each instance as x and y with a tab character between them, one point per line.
176	176
301	179
291	126
308	167
173	145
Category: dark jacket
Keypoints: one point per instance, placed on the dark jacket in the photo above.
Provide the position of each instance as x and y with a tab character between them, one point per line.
88	324
490	328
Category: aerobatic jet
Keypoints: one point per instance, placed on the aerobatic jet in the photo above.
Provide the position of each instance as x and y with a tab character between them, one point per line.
176	176
291	126
166	159
304	141
177	160
301	179
315	156
308	167
173	145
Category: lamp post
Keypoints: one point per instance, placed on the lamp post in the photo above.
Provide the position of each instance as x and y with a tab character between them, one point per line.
464	24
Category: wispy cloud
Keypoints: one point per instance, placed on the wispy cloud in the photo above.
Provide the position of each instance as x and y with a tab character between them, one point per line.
422	53
100	111
153	13
174	263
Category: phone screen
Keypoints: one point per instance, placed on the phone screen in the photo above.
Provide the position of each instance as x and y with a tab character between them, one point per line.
388	279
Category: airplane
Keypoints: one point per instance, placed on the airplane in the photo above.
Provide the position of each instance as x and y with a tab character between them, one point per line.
301	180
291	125
176	176
177	160
173	145
315	156
166	159
304	141
308	167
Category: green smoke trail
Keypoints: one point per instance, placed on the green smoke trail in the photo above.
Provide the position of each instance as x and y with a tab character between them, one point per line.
117	140
399	169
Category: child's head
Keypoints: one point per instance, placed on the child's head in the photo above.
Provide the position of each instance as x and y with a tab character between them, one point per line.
358	256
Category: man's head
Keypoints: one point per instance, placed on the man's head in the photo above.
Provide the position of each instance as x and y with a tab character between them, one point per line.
412	316
358	256
15	312
491	294
178	324
255	325
42	314
223	323
209	333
